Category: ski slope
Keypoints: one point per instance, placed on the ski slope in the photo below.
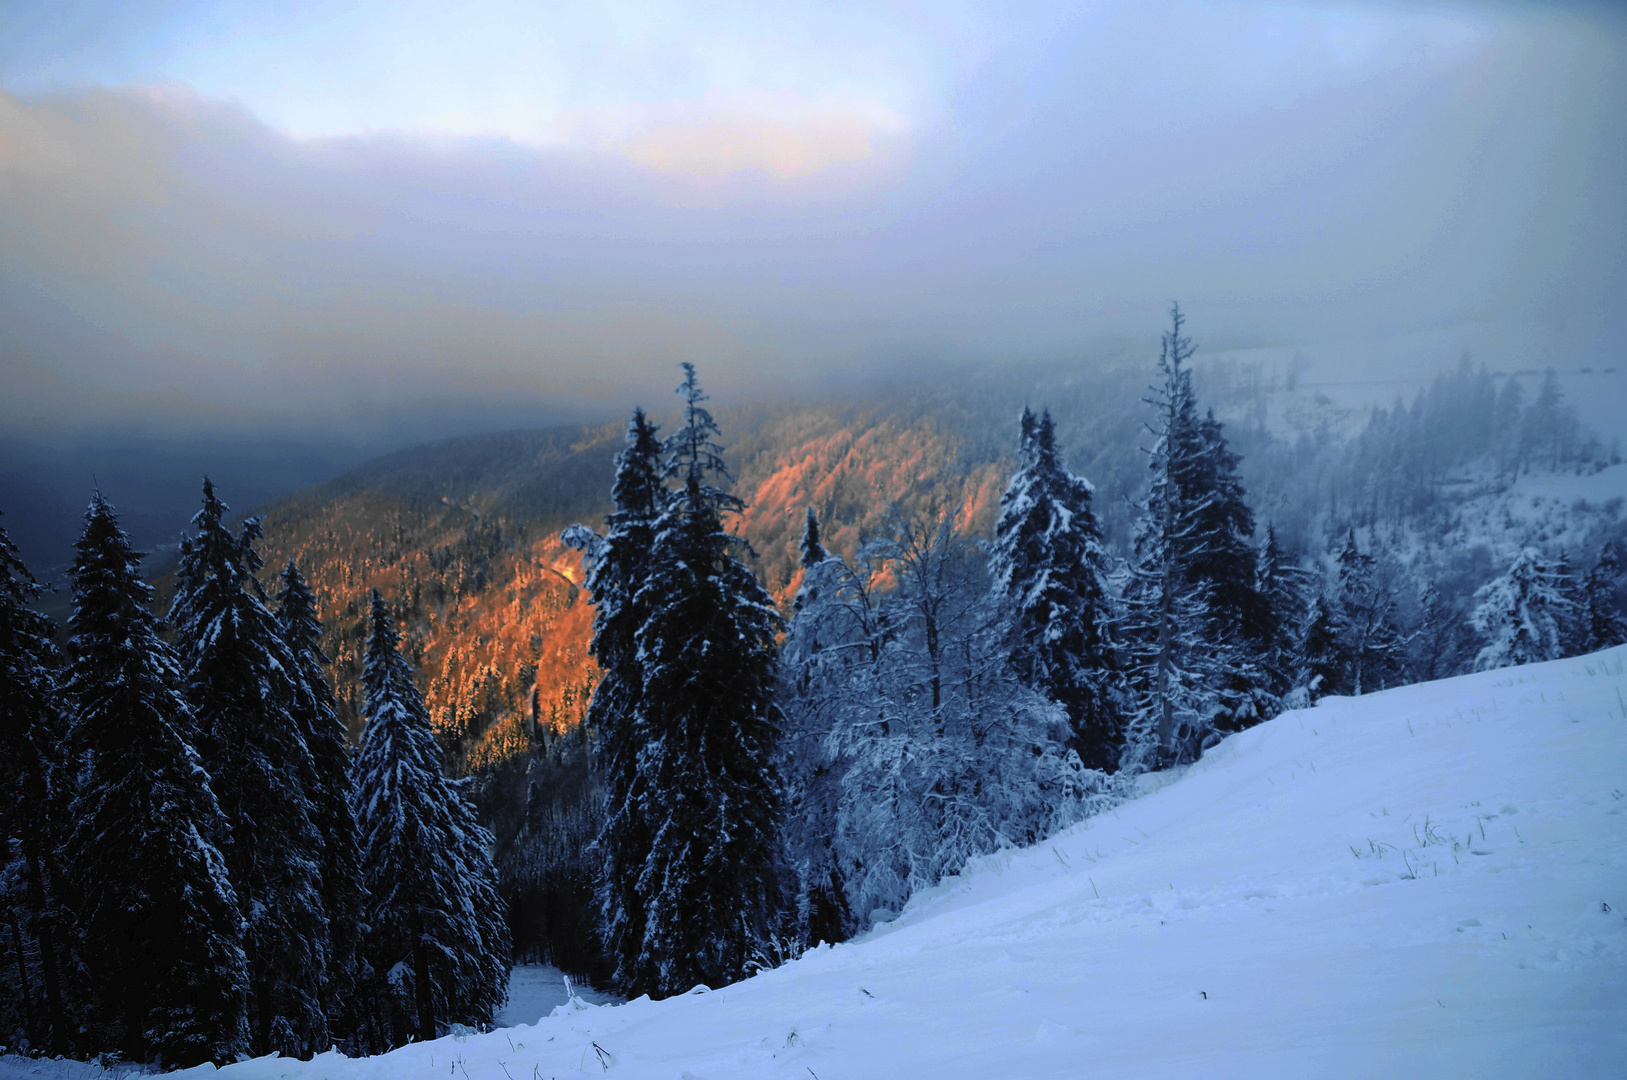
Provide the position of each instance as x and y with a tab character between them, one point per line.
1430	881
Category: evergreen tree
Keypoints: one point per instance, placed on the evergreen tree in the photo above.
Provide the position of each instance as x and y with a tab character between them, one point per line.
436	944
253	710
1522	613
822	656
618	567
31	803
324	735
1439	645
707	732
1325	659
158	922
1049	565
1175	665
1372	642
1599	622
1283	587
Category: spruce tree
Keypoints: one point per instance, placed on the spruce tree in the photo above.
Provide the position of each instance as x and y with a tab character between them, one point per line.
1599	623
158	921
707	732
1438	645
1283	587
1175	667
1522	613
822	658
252	710
324	734
1373	644
618	566
436	944
31	803
1325	660
1049	566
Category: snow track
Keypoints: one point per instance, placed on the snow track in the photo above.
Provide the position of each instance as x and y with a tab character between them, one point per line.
1430	881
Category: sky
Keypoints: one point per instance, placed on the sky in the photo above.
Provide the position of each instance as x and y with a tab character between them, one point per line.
363	223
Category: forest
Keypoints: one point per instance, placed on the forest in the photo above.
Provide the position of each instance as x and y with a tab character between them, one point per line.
665	710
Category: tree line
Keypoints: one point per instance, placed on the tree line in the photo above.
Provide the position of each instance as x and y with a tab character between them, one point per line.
198	867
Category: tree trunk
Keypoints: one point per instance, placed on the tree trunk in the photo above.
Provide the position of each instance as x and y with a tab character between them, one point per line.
426	994
46	934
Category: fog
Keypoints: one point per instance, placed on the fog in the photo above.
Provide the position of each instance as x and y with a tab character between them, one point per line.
351	231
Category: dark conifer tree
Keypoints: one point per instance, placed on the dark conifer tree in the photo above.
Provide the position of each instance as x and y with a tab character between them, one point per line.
707	731
1439	642
1325	659
1284	588
252	710
324	734
618	566
31	804
1224	562
158	922
436	943
1049	566
1599	622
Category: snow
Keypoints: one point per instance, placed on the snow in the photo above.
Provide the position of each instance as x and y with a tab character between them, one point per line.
1428	881
535	990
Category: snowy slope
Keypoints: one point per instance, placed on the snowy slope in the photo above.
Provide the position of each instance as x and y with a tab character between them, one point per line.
1430	881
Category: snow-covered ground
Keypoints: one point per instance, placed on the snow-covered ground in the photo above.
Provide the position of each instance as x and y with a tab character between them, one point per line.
1430	881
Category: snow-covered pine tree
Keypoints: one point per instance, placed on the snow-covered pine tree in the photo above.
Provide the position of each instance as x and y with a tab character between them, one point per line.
707	731
1048	564
1373	644
158	924
1224	561
330	798
1174	668
824	654
1522	613
31	804
436	945
252	708
1599	622
618	567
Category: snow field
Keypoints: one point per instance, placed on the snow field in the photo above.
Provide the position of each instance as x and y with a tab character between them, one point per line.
1429	881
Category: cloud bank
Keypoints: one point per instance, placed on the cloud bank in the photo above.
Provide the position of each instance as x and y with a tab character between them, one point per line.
186	243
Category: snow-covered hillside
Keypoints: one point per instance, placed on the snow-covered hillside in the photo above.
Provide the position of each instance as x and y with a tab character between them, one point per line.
1430	881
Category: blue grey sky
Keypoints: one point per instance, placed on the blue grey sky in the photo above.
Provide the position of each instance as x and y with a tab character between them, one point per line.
215	218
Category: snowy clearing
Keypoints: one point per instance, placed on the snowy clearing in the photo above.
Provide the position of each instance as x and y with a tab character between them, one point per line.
535	990
1430	881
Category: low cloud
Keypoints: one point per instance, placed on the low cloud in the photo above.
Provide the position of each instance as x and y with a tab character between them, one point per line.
170	260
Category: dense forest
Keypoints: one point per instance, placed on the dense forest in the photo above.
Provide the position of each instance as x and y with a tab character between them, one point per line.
883	637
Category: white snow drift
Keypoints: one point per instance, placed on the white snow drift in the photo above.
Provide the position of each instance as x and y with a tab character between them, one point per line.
1430	881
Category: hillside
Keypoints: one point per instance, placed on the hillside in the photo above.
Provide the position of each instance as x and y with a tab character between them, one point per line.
1427	881
462	536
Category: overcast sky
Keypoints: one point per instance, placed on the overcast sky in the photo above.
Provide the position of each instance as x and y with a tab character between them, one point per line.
218	219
